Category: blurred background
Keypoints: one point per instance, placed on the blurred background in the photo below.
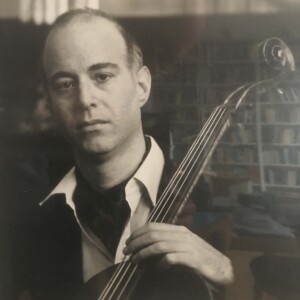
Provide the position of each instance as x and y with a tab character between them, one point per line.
199	51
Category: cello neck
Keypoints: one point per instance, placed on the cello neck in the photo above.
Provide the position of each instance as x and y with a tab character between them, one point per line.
177	192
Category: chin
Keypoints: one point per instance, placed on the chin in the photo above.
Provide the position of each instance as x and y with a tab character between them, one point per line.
95	148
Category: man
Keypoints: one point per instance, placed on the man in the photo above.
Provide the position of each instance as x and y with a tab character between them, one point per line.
97	84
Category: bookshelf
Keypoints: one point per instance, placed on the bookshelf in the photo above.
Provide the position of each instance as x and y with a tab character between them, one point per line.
262	144
177	93
229	66
279	123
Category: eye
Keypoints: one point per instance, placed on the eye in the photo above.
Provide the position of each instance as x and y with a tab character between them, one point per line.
102	77
64	85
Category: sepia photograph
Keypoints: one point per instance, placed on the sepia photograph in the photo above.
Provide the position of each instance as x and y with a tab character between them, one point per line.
149	150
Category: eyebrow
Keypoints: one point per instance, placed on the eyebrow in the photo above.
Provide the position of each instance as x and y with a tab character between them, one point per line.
99	66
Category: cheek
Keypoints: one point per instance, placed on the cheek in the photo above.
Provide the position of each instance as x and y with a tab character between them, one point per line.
130	103
128	111
130	117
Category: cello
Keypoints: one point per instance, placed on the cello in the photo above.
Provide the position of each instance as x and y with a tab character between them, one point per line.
129	281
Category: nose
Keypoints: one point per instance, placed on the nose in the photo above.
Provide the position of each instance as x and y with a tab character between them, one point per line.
87	96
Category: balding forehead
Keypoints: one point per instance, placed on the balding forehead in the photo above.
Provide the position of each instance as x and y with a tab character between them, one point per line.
98	24
96	30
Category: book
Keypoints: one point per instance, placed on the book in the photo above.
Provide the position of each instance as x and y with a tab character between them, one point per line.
285	158
270	114
287	135
291	177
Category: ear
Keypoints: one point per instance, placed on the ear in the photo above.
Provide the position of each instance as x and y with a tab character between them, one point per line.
144	85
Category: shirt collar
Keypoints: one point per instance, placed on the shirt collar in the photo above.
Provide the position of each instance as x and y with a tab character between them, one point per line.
149	174
65	186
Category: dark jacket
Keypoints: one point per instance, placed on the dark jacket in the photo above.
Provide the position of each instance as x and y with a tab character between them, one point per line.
52	251
55	268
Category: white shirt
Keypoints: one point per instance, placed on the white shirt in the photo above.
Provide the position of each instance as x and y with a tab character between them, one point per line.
140	193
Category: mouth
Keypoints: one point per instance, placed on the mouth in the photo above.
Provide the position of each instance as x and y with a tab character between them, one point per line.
91	125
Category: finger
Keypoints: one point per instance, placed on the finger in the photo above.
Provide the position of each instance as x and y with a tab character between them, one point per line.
159	248
151	237
156	227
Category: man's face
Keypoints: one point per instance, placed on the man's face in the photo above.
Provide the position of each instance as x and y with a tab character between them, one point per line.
95	96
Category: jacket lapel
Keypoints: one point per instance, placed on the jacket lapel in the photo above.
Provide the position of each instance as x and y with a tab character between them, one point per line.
58	256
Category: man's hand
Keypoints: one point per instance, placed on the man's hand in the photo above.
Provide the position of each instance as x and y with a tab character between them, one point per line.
176	245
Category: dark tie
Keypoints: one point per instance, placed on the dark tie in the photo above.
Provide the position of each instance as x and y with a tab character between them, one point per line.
104	213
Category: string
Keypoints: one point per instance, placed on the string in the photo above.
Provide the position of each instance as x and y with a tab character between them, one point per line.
122	269
123	276
193	182
179	170
118	271
205	126
181	167
187	189
187	158
191	161
128	280
196	175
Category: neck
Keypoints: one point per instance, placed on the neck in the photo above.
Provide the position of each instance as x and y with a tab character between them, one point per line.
105	171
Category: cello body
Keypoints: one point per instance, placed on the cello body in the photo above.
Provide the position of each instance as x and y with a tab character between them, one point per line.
174	283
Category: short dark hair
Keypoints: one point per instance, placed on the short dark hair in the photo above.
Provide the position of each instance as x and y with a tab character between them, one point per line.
134	52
